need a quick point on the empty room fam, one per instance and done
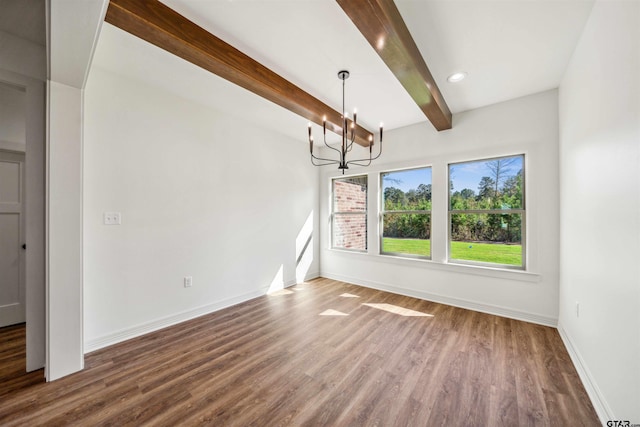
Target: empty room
(320, 212)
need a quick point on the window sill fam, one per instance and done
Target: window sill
(477, 270)
(349, 251)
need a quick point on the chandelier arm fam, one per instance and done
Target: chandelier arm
(333, 148)
(373, 158)
(379, 151)
(355, 162)
(330, 161)
(323, 164)
(325, 160)
(369, 160)
(353, 138)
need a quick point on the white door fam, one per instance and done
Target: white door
(12, 295)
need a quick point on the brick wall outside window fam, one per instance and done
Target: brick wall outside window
(350, 213)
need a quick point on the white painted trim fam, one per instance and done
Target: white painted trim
(456, 302)
(96, 37)
(595, 394)
(477, 270)
(13, 146)
(34, 216)
(174, 319)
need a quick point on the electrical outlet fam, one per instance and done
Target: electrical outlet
(188, 281)
(112, 218)
(577, 309)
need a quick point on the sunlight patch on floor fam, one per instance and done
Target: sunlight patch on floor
(398, 310)
(280, 292)
(346, 295)
(331, 312)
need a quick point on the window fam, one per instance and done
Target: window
(406, 213)
(349, 213)
(487, 212)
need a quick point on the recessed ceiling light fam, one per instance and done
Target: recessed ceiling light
(456, 77)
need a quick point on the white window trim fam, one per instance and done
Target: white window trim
(522, 211)
(381, 212)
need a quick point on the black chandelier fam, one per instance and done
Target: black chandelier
(347, 143)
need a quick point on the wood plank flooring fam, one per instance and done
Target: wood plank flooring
(323, 353)
(13, 376)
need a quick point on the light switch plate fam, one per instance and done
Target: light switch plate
(112, 218)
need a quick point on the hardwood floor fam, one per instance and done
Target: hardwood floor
(13, 376)
(320, 353)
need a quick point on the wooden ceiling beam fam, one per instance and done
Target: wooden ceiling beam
(161, 26)
(381, 24)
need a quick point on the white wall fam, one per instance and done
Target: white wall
(600, 215)
(201, 194)
(526, 125)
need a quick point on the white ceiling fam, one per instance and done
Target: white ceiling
(509, 48)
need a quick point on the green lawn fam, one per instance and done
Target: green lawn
(407, 246)
(482, 252)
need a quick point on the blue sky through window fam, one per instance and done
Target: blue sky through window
(463, 175)
(407, 180)
(469, 174)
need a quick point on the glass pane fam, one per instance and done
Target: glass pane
(406, 233)
(350, 194)
(491, 238)
(407, 190)
(487, 184)
(350, 231)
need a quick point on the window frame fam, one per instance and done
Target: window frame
(521, 211)
(333, 214)
(382, 212)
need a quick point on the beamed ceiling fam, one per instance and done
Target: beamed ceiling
(288, 52)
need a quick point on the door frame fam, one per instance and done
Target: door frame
(34, 217)
(20, 159)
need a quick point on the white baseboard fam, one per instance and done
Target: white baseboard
(597, 398)
(456, 302)
(308, 276)
(154, 325)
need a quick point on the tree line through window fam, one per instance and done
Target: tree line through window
(486, 212)
(406, 212)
